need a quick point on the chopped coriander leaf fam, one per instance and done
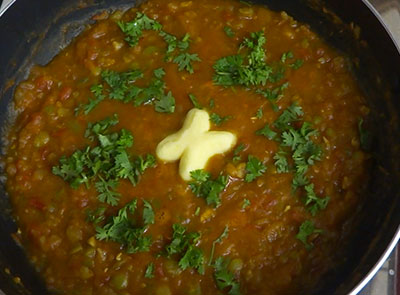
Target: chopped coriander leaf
(273, 95)
(240, 148)
(122, 229)
(97, 91)
(246, 203)
(119, 83)
(193, 258)
(218, 120)
(224, 278)
(288, 116)
(184, 61)
(365, 136)
(281, 162)
(249, 69)
(211, 104)
(104, 164)
(120, 86)
(194, 101)
(236, 153)
(100, 126)
(184, 43)
(159, 73)
(267, 132)
(203, 186)
(172, 43)
(297, 64)
(312, 202)
(229, 32)
(149, 273)
(306, 229)
(197, 212)
(254, 168)
(165, 103)
(259, 113)
(148, 213)
(286, 55)
(106, 190)
(185, 244)
(218, 241)
(299, 180)
(134, 30)
(96, 216)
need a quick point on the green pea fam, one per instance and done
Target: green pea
(119, 280)
(86, 273)
(236, 265)
(163, 290)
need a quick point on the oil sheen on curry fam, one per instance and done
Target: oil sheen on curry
(188, 147)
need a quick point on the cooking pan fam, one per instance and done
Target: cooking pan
(33, 32)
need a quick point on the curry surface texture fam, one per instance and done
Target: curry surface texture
(264, 234)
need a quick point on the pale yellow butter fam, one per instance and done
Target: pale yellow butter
(194, 144)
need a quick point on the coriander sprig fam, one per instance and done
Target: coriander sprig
(104, 164)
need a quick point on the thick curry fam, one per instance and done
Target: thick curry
(100, 212)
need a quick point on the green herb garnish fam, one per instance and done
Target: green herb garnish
(267, 132)
(236, 152)
(224, 278)
(218, 241)
(281, 162)
(259, 113)
(312, 202)
(297, 64)
(306, 229)
(286, 55)
(134, 30)
(218, 120)
(185, 244)
(203, 186)
(194, 101)
(254, 168)
(121, 86)
(105, 164)
(123, 230)
(184, 61)
(229, 32)
(248, 69)
(149, 273)
(246, 203)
